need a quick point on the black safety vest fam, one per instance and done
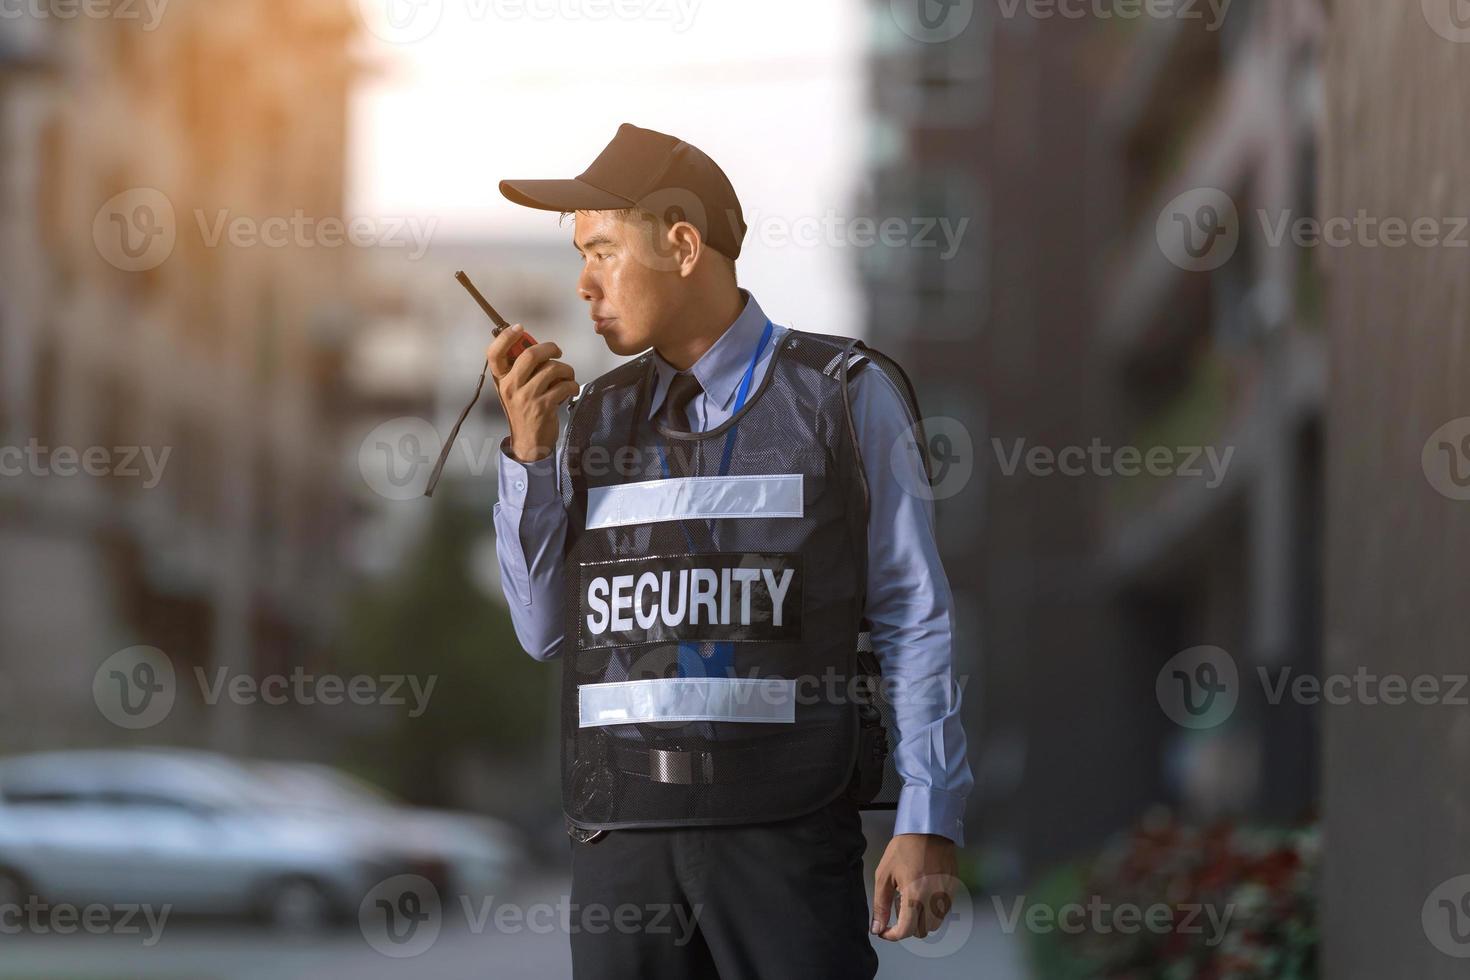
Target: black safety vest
(712, 619)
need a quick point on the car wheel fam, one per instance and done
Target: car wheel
(298, 905)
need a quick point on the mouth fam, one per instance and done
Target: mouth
(601, 323)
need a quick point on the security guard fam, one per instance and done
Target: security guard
(725, 516)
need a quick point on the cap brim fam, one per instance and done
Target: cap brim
(561, 195)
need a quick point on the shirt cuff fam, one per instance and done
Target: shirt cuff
(922, 810)
(525, 485)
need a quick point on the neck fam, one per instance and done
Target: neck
(704, 325)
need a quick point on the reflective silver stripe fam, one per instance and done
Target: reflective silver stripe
(652, 501)
(757, 699)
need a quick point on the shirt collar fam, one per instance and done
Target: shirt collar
(720, 369)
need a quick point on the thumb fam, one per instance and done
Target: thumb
(883, 892)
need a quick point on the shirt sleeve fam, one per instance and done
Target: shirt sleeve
(909, 609)
(530, 531)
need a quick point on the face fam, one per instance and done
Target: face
(630, 279)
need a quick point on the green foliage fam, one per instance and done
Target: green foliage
(433, 620)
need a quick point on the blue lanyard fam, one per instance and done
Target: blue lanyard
(741, 394)
(722, 658)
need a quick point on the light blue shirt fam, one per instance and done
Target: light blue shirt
(908, 597)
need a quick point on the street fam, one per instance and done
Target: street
(468, 945)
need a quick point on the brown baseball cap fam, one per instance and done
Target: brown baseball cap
(653, 171)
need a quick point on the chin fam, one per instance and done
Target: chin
(623, 346)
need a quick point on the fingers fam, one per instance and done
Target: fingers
(883, 892)
(909, 909)
(923, 908)
(562, 391)
(498, 353)
(554, 373)
(529, 362)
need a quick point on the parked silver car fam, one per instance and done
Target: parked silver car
(191, 830)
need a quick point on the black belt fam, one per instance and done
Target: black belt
(743, 761)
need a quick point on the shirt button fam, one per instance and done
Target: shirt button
(521, 485)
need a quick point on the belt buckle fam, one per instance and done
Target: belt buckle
(670, 766)
(582, 835)
(677, 766)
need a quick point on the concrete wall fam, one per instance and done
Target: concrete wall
(1397, 779)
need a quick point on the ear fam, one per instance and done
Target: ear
(686, 247)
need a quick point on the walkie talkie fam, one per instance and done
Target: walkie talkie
(520, 346)
(525, 343)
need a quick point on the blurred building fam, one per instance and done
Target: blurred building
(1396, 826)
(1065, 324)
(418, 356)
(125, 325)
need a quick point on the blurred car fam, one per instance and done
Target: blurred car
(479, 854)
(191, 830)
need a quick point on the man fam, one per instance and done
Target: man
(726, 512)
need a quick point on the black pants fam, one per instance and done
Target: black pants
(759, 902)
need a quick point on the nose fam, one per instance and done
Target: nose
(587, 285)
